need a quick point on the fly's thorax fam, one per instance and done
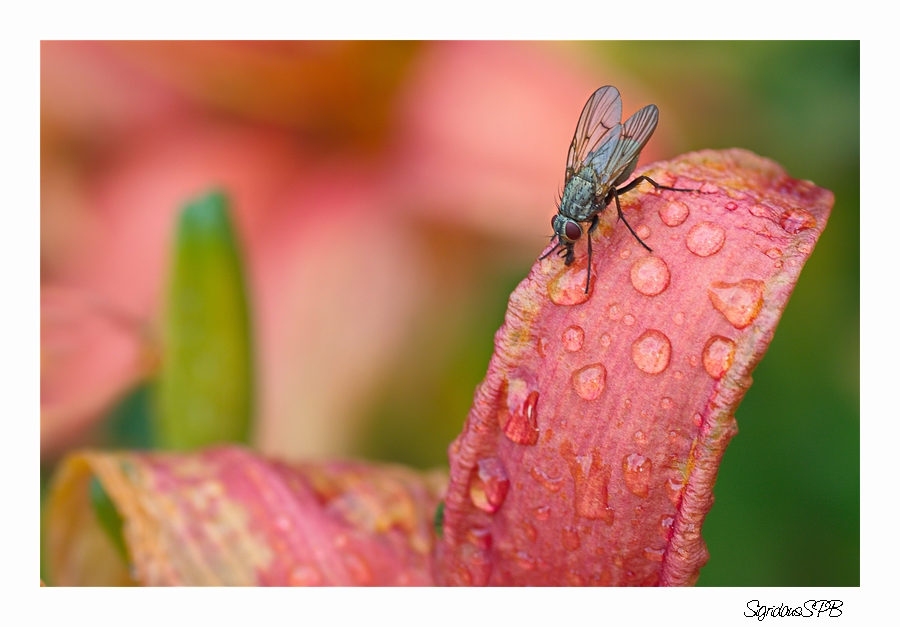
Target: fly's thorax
(578, 195)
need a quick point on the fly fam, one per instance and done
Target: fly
(603, 154)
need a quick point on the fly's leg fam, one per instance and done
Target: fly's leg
(550, 252)
(635, 182)
(622, 216)
(590, 232)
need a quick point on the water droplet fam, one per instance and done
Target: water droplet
(591, 484)
(605, 340)
(489, 485)
(518, 414)
(693, 361)
(651, 351)
(674, 490)
(678, 318)
(666, 526)
(305, 575)
(697, 420)
(666, 402)
(674, 213)
(636, 469)
(573, 338)
(525, 561)
(804, 247)
(530, 531)
(625, 253)
(628, 320)
(639, 437)
(650, 275)
(627, 403)
(739, 302)
(567, 287)
(773, 253)
(614, 312)
(542, 512)
(718, 354)
(589, 381)
(709, 188)
(643, 231)
(705, 239)
(359, 569)
(730, 205)
(762, 211)
(542, 347)
(570, 539)
(480, 537)
(553, 484)
(477, 569)
(654, 555)
(795, 220)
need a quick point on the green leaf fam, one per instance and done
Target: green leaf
(206, 382)
(108, 516)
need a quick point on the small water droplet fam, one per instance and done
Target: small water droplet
(589, 381)
(674, 213)
(678, 374)
(570, 539)
(651, 351)
(705, 239)
(639, 437)
(666, 526)
(480, 537)
(763, 211)
(654, 555)
(678, 318)
(674, 490)
(718, 354)
(773, 253)
(489, 485)
(643, 231)
(709, 188)
(477, 569)
(542, 347)
(525, 561)
(573, 338)
(553, 484)
(305, 575)
(517, 414)
(628, 320)
(731, 205)
(636, 469)
(627, 403)
(739, 302)
(804, 247)
(697, 420)
(650, 275)
(614, 312)
(625, 253)
(795, 220)
(605, 340)
(693, 360)
(530, 531)
(567, 287)
(591, 483)
(666, 402)
(542, 512)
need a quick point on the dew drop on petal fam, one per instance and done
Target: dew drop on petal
(530, 531)
(666, 526)
(731, 205)
(739, 302)
(605, 340)
(636, 469)
(650, 275)
(709, 188)
(625, 253)
(552, 484)
(795, 220)
(573, 338)
(718, 354)
(651, 351)
(628, 320)
(643, 231)
(567, 287)
(489, 485)
(589, 381)
(570, 539)
(666, 402)
(674, 490)
(678, 318)
(542, 512)
(697, 420)
(773, 253)
(480, 537)
(614, 311)
(705, 239)
(517, 415)
(674, 213)
(591, 483)
(654, 555)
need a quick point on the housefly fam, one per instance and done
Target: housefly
(603, 154)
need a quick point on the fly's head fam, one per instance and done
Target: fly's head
(568, 231)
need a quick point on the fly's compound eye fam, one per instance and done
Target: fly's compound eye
(573, 231)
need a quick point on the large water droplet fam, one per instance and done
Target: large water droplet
(567, 287)
(589, 381)
(573, 338)
(739, 302)
(636, 469)
(591, 484)
(570, 539)
(705, 239)
(553, 484)
(651, 351)
(518, 412)
(650, 275)
(718, 354)
(796, 220)
(674, 213)
(489, 485)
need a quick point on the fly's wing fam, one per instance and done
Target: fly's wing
(623, 156)
(602, 112)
